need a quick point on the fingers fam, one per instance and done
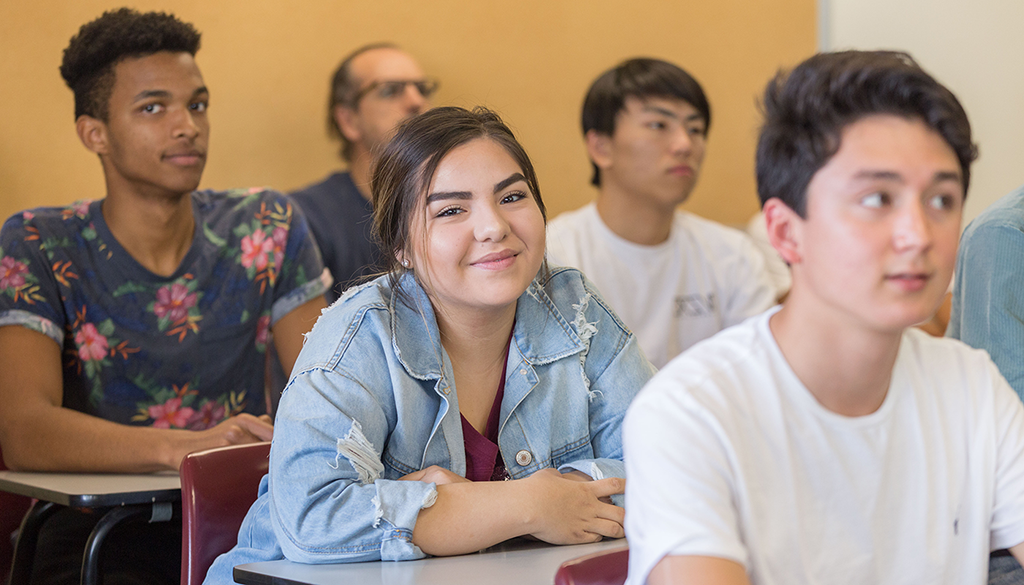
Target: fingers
(250, 429)
(414, 476)
(601, 527)
(608, 487)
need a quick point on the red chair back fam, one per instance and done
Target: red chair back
(12, 510)
(601, 568)
(217, 488)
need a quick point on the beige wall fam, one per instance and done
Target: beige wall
(267, 65)
(975, 48)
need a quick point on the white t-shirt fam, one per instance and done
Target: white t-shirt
(729, 455)
(704, 278)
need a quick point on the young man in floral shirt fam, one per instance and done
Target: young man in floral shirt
(133, 329)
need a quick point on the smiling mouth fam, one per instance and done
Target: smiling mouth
(496, 261)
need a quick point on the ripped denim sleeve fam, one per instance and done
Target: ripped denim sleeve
(339, 508)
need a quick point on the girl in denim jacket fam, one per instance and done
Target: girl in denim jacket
(469, 359)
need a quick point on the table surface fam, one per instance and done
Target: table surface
(516, 562)
(93, 490)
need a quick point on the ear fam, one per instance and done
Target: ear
(599, 148)
(348, 123)
(785, 231)
(93, 134)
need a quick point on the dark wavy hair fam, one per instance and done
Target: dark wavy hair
(806, 110)
(640, 78)
(403, 170)
(89, 59)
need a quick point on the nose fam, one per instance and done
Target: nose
(415, 102)
(682, 141)
(490, 224)
(913, 229)
(185, 125)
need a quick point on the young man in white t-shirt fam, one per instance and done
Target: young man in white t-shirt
(674, 278)
(829, 441)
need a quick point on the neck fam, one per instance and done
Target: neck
(359, 169)
(631, 219)
(476, 338)
(845, 366)
(156, 232)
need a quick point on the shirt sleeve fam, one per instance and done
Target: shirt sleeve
(680, 488)
(30, 293)
(303, 276)
(988, 298)
(329, 502)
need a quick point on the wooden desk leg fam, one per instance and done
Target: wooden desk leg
(28, 537)
(91, 557)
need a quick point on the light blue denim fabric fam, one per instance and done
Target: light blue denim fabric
(371, 399)
(988, 290)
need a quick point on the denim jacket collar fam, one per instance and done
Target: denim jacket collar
(414, 322)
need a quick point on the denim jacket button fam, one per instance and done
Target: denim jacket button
(524, 458)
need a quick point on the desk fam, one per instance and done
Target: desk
(126, 496)
(517, 562)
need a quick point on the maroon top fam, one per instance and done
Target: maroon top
(483, 459)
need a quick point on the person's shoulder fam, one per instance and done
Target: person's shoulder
(570, 225)
(721, 376)
(332, 186)
(710, 233)
(1004, 218)
(363, 313)
(573, 294)
(36, 222)
(942, 357)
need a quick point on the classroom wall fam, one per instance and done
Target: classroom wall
(974, 48)
(267, 64)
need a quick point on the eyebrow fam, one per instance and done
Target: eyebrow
(163, 93)
(463, 195)
(694, 117)
(939, 177)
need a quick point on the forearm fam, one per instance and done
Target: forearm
(467, 517)
(53, 438)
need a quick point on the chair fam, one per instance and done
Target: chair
(12, 510)
(601, 568)
(217, 488)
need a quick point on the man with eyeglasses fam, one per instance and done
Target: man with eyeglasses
(374, 89)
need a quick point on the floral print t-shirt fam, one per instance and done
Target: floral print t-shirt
(184, 351)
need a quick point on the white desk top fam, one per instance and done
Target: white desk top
(93, 490)
(517, 562)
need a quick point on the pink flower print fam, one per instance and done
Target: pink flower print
(91, 344)
(170, 414)
(27, 215)
(207, 417)
(12, 273)
(174, 300)
(280, 236)
(254, 249)
(263, 330)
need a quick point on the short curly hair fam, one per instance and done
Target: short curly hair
(89, 59)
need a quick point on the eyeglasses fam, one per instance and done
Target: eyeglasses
(392, 89)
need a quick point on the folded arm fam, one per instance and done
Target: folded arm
(38, 434)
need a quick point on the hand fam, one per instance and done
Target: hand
(235, 430)
(568, 511)
(434, 474)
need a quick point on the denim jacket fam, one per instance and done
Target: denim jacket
(372, 399)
